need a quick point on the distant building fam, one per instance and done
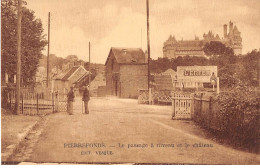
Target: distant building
(72, 78)
(98, 85)
(173, 48)
(164, 80)
(126, 72)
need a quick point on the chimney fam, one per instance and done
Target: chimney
(225, 31)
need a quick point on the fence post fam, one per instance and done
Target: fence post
(201, 95)
(173, 107)
(150, 95)
(52, 95)
(22, 104)
(192, 105)
(37, 96)
(210, 111)
(10, 99)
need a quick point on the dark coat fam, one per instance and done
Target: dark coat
(71, 95)
(85, 95)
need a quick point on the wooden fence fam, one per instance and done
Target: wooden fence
(37, 103)
(206, 112)
(164, 97)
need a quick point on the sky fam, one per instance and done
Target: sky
(122, 23)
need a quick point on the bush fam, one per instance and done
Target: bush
(239, 115)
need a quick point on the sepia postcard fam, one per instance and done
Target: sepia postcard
(136, 82)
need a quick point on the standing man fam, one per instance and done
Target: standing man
(70, 97)
(86, 99)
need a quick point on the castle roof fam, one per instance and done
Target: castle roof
(189, 43)
(236, 30)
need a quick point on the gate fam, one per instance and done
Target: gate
(182, 105)
(60, 100)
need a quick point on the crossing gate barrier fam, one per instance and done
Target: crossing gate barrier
(183, 105)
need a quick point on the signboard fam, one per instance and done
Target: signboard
(196, 73)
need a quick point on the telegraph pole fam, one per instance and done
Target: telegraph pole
(18, 65)
(89, 79)
(148, 42)
(48, 52)
(141, 38)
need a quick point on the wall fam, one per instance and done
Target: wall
(109, 74)
(132, 78)
(61, 86)
(101, 91)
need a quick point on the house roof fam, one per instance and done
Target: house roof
(128, 55)
(71, 72)
(82, 77)
(169, 71)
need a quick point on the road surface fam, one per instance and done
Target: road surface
(121, 131)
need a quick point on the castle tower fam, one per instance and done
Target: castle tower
(231, 28)
(237, 41)
(225, 31)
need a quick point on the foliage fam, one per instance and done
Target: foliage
(251, 63)
(92, 70)
(72, 58)
(228, 76)
(162, 64)
(216, 48)
(32, 41)
(239, 115)
(219, 54)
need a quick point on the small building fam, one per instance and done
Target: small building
(72, 78)
(126, 72)
(164, 80)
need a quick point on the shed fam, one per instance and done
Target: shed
(126, 72)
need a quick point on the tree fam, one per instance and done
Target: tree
(251, 66)
(32, 42)
(216, 48)
(72, 58)
(219, 54)
(162, 64)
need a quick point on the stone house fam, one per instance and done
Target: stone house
(126, 72)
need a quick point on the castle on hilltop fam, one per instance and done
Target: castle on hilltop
(173, 48)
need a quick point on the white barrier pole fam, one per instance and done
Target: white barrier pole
(150, 95)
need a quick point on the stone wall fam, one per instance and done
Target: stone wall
(110, 71)
(132, 78)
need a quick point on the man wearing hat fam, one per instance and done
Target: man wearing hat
(86, 99)
(70, 97)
